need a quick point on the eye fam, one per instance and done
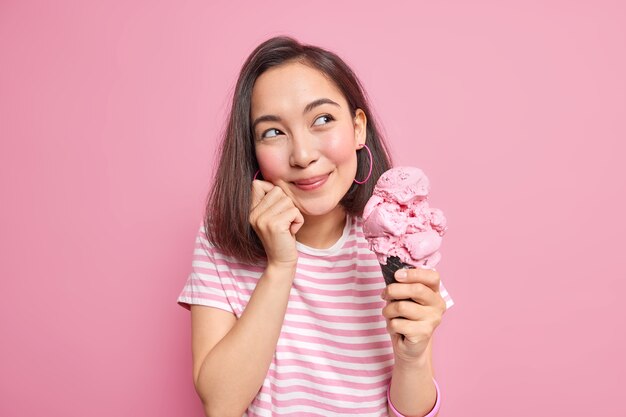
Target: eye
(270, 130)
(327, 116)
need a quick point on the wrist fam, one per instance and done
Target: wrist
(419, 363)
(280, 271)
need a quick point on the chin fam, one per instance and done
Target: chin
(318, 209)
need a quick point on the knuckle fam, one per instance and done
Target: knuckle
(261, 223)
(392, 290)
(273, 227)
(389, 328)
(394, 326)
(441, 303)
(277, 191)
(436, 320)
(431, 329)
(417, 289)
(386, 312)
(436, 278)
(403, 308)
(438, 284)
(255, 219)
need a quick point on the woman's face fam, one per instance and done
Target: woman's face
(305, 137)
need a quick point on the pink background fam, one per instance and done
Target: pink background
(109, 116)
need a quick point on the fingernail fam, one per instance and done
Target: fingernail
(401, 274)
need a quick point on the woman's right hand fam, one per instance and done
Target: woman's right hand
(276, 220)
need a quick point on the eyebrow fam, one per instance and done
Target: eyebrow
(307, 108)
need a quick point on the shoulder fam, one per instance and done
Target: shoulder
(360, 244)
(206, 250)
(357, 224)
(357, 232)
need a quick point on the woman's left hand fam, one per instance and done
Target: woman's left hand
(414, 310)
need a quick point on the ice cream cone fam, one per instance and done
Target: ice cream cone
(399, 224)
(389, 269)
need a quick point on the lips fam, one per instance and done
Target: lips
(311, 183)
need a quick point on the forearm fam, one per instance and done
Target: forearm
(233, 372)
(412, 391)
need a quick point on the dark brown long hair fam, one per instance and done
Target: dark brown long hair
(228, 203)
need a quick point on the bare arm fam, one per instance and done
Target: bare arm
(409, 382)
(414, 311)
(240, 352)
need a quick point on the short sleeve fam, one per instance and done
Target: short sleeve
(445, 295)
(204, 285)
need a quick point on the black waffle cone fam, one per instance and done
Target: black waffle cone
(393, 264)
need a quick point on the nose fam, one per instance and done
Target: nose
(304, 150)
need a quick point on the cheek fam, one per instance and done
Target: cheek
(340, 147)
(271, 162)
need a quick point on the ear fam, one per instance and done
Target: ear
(360, 128)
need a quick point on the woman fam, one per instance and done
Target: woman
(285, 296)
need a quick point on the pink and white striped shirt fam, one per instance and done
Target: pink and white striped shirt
(334, 355)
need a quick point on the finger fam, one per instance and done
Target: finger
(417, 292)
(269, 199)
(281, 222)
(415, 330)
(404, 309)
(297, 222)
(274, 203)
(259, 189)
(428, 277)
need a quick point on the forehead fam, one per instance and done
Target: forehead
(289, 87)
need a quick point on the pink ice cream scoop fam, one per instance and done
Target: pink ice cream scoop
(400, 227)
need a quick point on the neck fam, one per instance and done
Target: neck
(321, 232)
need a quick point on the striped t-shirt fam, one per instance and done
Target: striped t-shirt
(334, 355)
